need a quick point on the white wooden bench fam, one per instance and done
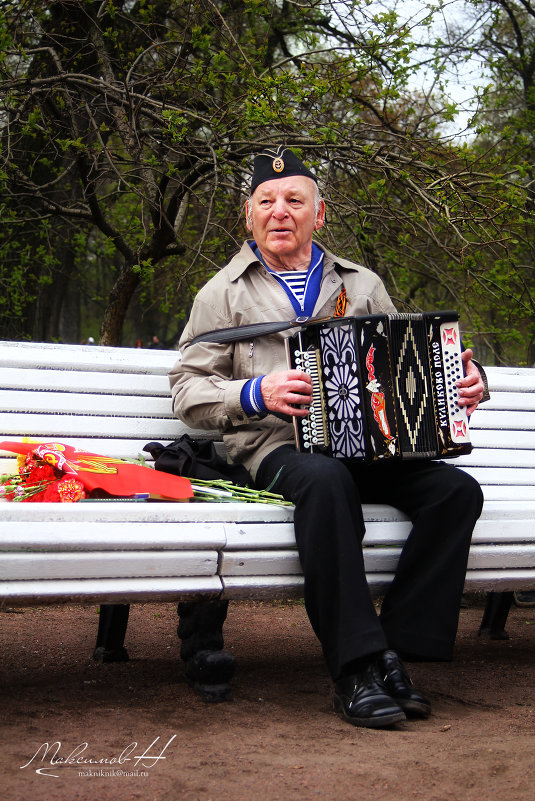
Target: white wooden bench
(113, 401)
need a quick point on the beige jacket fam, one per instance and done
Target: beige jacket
(207, 380)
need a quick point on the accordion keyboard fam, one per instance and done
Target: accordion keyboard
(314, 428)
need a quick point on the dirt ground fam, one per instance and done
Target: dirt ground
(277, 739)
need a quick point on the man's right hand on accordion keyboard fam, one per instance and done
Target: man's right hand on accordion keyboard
(470, 387)
(287, 391)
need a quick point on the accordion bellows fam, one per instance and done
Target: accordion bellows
(384, 386)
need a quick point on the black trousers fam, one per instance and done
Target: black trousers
(420, 611)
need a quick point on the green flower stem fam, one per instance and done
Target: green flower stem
(222, 490)
(14, 482)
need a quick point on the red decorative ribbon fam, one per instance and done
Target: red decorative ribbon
(114, 476)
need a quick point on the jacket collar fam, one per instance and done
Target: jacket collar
(245, 259)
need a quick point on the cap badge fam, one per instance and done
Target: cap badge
(278, 165)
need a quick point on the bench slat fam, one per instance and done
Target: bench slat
(86, 357)
(268, 587)
(502, 475)
(500, 580)
(494, 457)
(511, 379)
(169, 512)
(284, 562)
(487, 439)
(245, 587)
(91, 591)
(71, 403)
(79, 381)
(502, 557)
(515, 529)
(504, 420)
(508, 493)
(508, 401)
(107, 564)
(111, 536)
(58, 426)
(520, 509)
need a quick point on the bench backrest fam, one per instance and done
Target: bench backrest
(108, 400)
(114, 400)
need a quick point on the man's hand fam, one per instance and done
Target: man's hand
(285, 392)
(470, 387)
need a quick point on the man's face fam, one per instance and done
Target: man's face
(282, 218)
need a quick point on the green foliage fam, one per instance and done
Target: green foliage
(503, 281)
(130, 136)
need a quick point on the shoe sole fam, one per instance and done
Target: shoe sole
(369, 723)
(520, 603)
(413, 709)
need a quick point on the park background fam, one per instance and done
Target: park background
(127, 130)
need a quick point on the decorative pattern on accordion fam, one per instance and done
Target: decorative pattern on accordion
(412, 385)
(341, 384)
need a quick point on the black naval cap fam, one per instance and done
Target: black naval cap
(279, 162)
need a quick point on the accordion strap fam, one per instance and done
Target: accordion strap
(241, 332)
(482, 373)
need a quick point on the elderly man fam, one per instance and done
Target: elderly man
(246, 390)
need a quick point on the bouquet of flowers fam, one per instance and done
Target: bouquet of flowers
(38, 481)
(52, 471)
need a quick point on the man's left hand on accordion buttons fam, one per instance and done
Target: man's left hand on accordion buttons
(470, 387)
(287, 392)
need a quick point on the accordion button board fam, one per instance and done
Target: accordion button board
(384, 386)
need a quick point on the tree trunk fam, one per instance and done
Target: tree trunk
(114, 315)
(50, 309)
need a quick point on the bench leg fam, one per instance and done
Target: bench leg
(209, 669)
(112, 624)
(495, 615)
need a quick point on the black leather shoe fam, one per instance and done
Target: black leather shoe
(209, 673)
(362, 700)
(400, 688)
(211, 667)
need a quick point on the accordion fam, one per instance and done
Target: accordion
(384, 386)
